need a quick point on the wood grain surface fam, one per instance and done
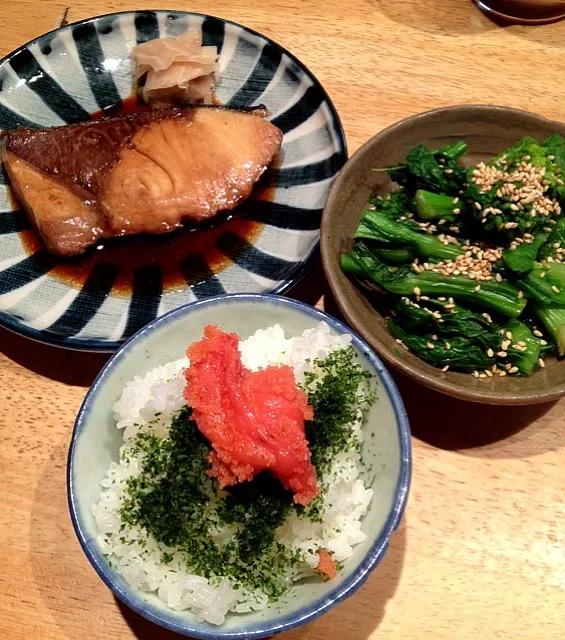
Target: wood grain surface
(480, 553)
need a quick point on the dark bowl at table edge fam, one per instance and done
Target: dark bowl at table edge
(346, 200)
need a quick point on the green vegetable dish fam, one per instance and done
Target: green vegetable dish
(468, 263)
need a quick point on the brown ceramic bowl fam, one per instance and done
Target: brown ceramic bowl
(486, 130)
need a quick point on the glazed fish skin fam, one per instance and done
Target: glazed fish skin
(187, 168)
(63, 216)
(140, 173)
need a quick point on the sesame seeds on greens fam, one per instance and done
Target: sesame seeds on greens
(503, 235)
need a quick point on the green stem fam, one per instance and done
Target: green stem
(522, 259)
(434, 206)
(396, 233)
(501, 297)
(349, 265)
(553, 319)
(526, 361)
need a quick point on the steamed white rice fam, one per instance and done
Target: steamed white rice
(155, 398)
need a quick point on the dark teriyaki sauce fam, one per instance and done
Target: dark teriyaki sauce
(187, 255)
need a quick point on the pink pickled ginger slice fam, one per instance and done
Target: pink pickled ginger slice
(177, 70)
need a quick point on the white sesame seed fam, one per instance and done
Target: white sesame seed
(502, 354)
(416, 291)
(520, 294)
(490, 353)
(513, 370)
(555, 289)
(478, 206)
(508, 335)
(478, 288)
(445, 368)
(430, 345)
(541, 363)
(537, 333)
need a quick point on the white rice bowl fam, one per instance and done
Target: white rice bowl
(155, 398)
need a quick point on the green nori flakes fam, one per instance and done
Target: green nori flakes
(175, 501)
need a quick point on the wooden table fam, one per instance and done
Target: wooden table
(480, 553)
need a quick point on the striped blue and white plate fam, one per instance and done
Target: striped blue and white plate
(98, 301)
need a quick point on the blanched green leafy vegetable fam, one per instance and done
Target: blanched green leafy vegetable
(524, 349)
(456, 244)
(432, 170)
(522, 258)
(503, 192)
(553, 319)
(459, 339)
(395, 205)
(394, 234)
(545, 284)
(497, 296)
(435, 206)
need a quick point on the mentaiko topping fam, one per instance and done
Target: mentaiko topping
(253, 420)
(166, 525)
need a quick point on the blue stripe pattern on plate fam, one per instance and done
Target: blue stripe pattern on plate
(92, 60)
(85, 306)
(26, 271)
(200, 278)
(13, 221)
(254, 70)
(48, 89)
(147, 291)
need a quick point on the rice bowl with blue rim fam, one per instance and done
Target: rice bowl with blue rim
(390, 462)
